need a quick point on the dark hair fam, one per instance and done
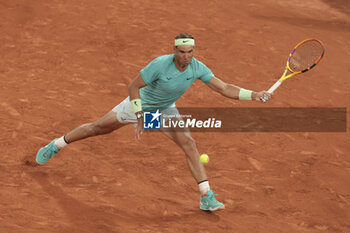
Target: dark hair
(184, 36)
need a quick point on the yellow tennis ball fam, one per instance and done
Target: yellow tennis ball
(204, 158)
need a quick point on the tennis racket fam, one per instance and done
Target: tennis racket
(305, 56)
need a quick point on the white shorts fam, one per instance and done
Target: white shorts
(125, 113)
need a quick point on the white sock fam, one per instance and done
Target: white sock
(60, 143)
(204, 187)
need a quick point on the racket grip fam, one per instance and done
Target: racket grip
(274, 87)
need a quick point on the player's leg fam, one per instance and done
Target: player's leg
(106, 124)
(185, 141)
(119, 116)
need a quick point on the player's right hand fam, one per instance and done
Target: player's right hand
(263, 96)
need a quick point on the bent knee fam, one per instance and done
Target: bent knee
(188, 142)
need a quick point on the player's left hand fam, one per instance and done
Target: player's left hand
(263, 96)
(139, 128)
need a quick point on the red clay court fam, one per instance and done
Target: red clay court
(64, 63)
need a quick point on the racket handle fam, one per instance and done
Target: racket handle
(274, 87)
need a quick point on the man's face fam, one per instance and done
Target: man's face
(184, 54)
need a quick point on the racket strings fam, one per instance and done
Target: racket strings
(306, 55)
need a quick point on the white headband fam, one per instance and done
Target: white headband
(184, 41)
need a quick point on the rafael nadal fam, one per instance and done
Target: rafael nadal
(157, 87)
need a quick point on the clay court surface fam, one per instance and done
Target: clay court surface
(64, 63)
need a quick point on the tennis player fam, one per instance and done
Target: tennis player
(157, 87)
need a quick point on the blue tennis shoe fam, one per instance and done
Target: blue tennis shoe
(46, 152)
(209, 203)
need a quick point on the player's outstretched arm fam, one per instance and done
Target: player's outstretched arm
(235, 92)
